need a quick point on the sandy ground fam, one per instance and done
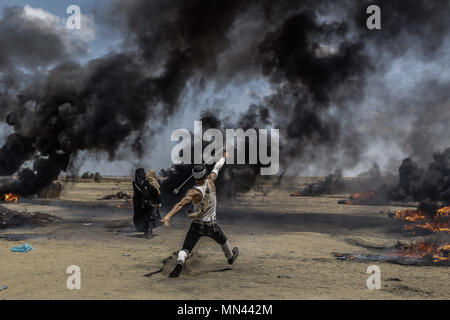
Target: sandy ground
(285, 244)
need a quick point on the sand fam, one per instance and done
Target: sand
(285, 243)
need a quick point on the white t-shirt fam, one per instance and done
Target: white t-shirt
(206, 208)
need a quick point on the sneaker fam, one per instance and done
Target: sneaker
(176, 271)
(235, 255)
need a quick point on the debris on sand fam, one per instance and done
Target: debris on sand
(127, 204)
(362, 198)
(3, 288)
(333, 183)
(394, 279)
(53, 191)
(14, 219)
(117, 196)
(23, 248)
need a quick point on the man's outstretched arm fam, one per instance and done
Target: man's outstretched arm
(188, 197)
(219, 164)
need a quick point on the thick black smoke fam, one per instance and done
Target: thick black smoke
(233, 179)
(417, 31)
(418, 184)
(316, 55)
(430, 186)
(308, 77)
(75, 108)
(98, 106)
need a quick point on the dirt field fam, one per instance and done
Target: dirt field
(285, 244)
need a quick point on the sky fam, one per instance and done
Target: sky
(106, 37)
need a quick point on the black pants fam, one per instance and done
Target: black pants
(198, 230)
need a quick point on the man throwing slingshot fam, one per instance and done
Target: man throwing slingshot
(203, 197)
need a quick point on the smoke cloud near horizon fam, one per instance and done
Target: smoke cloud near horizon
(340, 94)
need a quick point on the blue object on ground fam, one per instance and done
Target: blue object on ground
(3, 288)
(23, 248)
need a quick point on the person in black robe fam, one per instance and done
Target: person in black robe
(146, 201)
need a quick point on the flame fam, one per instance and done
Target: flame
(426, 252)
(443, 253)
(439, 223)
(444, 212)
(128, 204)
(422, 250)
(362, 195)
(10, 197)
(410, 215)
(358, 198)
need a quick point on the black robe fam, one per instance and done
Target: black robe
(145, 201)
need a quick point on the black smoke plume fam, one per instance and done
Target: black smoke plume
(232, 180)
(430, 185)
(317, 56)
(418, 184)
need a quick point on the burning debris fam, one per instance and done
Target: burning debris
(438, 221)
(14, 219)
(432, 251)
(426, 250)
(10, 197)
(369, 198)
(414, 184)
(424, 253)
(364, 198)
(127, 204)
(117, 196)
